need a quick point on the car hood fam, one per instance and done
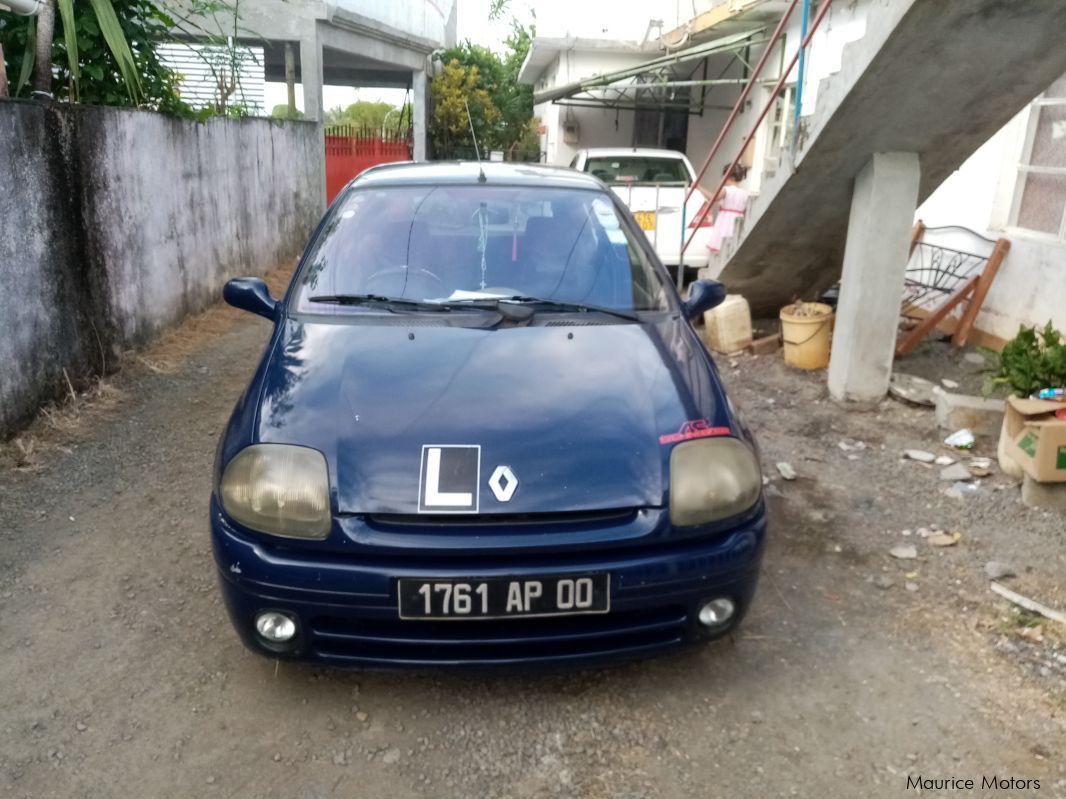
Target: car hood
(578, 412)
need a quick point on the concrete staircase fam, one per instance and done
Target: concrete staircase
(931, 77)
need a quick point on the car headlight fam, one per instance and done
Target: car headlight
(712, 479)
(278, 489)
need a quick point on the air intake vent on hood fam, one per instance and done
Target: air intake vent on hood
(572, 323)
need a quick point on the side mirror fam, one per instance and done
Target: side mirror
(702, 296)
(250, 294)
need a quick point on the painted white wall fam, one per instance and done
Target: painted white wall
(1030, 288)
(574, 65)
(599, 127)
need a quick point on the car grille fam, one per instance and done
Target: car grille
(619, 516)
(560, 639)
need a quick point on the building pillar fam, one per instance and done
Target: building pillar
(311, 76)
(290, 79)
(419, 103)
(871, 288)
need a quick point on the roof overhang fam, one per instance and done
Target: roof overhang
(650, 76)
(545, 49)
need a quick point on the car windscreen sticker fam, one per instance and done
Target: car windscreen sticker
(448, 480)
(694, 428)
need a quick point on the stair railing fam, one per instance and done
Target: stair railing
(777, 34)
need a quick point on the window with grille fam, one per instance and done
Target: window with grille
(1040, 191)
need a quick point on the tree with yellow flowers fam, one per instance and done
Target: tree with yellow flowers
(454, 90)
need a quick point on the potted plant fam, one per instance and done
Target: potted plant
(1032, 361)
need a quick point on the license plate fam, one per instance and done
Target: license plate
(504, 597)
(646, 219)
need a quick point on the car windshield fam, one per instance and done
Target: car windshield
(465, 243)
(628, 169)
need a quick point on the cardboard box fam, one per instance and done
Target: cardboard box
(1038, 438)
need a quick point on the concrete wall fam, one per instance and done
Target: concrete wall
(115, 224)
(420, 18)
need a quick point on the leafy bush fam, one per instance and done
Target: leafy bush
(501, 109)
(85, 67)
(1032, 360)
(282, 112)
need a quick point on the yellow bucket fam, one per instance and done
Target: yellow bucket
(805, 330)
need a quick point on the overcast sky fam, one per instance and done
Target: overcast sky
(612, 19)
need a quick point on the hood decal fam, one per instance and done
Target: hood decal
(694, 428)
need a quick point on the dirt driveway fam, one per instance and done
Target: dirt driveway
(121, 676)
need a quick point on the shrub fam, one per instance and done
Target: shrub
(1032, 360)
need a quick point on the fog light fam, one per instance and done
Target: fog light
(274, 627)
(717, 612)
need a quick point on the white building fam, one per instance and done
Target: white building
(705, 59)
(1015, 187)
(674, 81)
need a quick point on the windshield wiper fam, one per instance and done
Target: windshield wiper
(487, 303)
(563, 305)
(390, 303)
(361, 299)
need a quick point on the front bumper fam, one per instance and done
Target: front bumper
(346, 605)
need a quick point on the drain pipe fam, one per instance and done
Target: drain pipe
(799, 80)
(26, 8)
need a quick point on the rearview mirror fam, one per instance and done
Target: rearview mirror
(702, 296)
(250, 294)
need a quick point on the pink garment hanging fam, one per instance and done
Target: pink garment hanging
(734, 203)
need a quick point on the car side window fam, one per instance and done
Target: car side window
(573, 164)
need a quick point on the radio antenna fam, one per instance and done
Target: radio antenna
(477, 151)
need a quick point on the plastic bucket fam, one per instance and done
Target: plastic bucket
(806, 337)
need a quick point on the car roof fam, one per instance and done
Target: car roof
(469, 172)
(614, 152)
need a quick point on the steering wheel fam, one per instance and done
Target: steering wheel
(406, 276)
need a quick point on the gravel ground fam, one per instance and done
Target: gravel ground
(122, 676)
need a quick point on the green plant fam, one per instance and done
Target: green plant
(1032, 360)
(282, 112)
(363, 114)
(103, 52)
(216, 25)
(501, 109)
(459, 102)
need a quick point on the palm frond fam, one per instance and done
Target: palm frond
(113, 34)
(26, 70)
(70, 35)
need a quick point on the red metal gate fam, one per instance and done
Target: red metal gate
(349, 151)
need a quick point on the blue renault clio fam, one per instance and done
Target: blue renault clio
(483, 434)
